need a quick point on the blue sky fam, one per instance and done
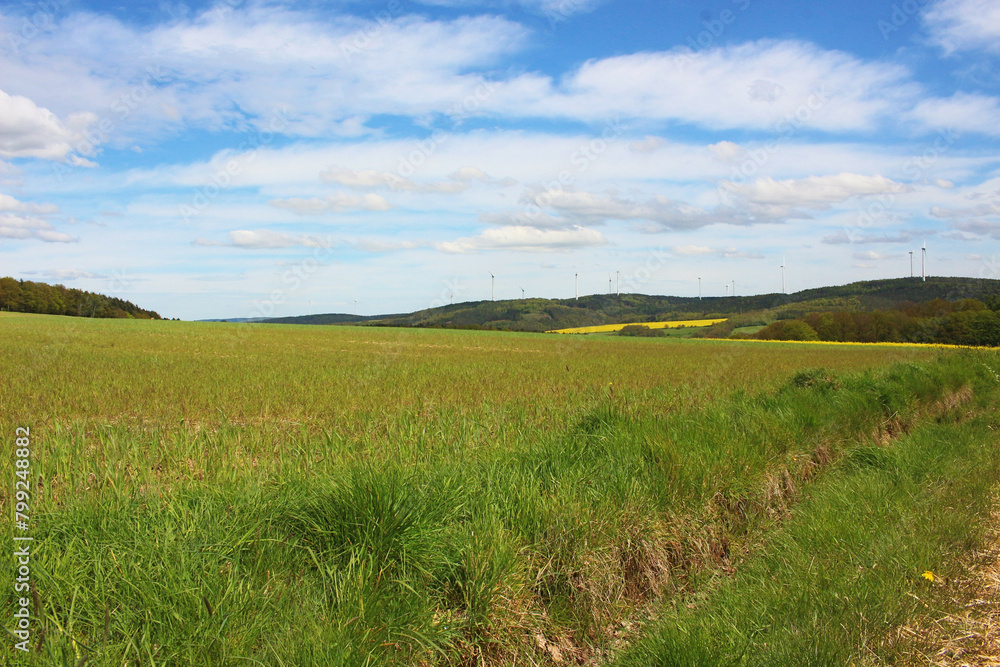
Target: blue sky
(246, 159)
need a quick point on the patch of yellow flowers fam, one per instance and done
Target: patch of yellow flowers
(607, 328)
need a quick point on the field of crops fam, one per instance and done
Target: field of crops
(609, 328)
(212, 493)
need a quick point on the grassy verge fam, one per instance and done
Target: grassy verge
(847, 570)
(540, 550)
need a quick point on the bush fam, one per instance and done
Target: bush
(640, 330)
(788, 330)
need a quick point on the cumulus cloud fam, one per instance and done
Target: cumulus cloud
(28, 130)
(525, 238)
(589, 208)
(764, 200)
(25, 220)
(814, 191)
(961, 25)
(9, 204)
(727, 151)
(13, 226)
(338, 203)
(986, 209)
(979, 217)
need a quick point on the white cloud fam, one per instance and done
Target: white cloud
(370, 178)
(338, 203)
(704, 251)
(9, 204)
(843, 237)
(692, 250)
(870, 255)
(986, 209)
(467, 174)
(647, 145)
(812, 192)
(378, 246)
(727, 151)
(27, 130)
(71, 274)
(233, 68)
(826, 90)
(959, 25)
(263, 239)
(593, 208)
(555, 10)
(25, 221)
(525, 238)
(20, 227)
(963, 111)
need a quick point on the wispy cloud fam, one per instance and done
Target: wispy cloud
(842, 238)
(263, 239)
(705, 251)
(332, 203)
(525, 238)
(959, 25)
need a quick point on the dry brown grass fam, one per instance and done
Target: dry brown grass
(970, 635)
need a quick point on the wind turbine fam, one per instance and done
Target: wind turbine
(699, 288)
(609, 283)
(734, 288)
(355, 306)
(923, 262)
(618, 283)
(911, 263)
(576, 278)
(522, 293)
(492, 283)
(783, 276)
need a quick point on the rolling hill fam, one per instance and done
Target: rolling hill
(597, 309)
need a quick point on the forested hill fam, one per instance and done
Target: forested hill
(25, 296)
(595, 309)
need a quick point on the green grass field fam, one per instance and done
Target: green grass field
(215, 494)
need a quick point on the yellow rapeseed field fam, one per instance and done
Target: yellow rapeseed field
(607, 328)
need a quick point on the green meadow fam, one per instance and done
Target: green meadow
(223, 494)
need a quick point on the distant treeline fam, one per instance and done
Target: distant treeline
(25, 296)
(962, 322)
